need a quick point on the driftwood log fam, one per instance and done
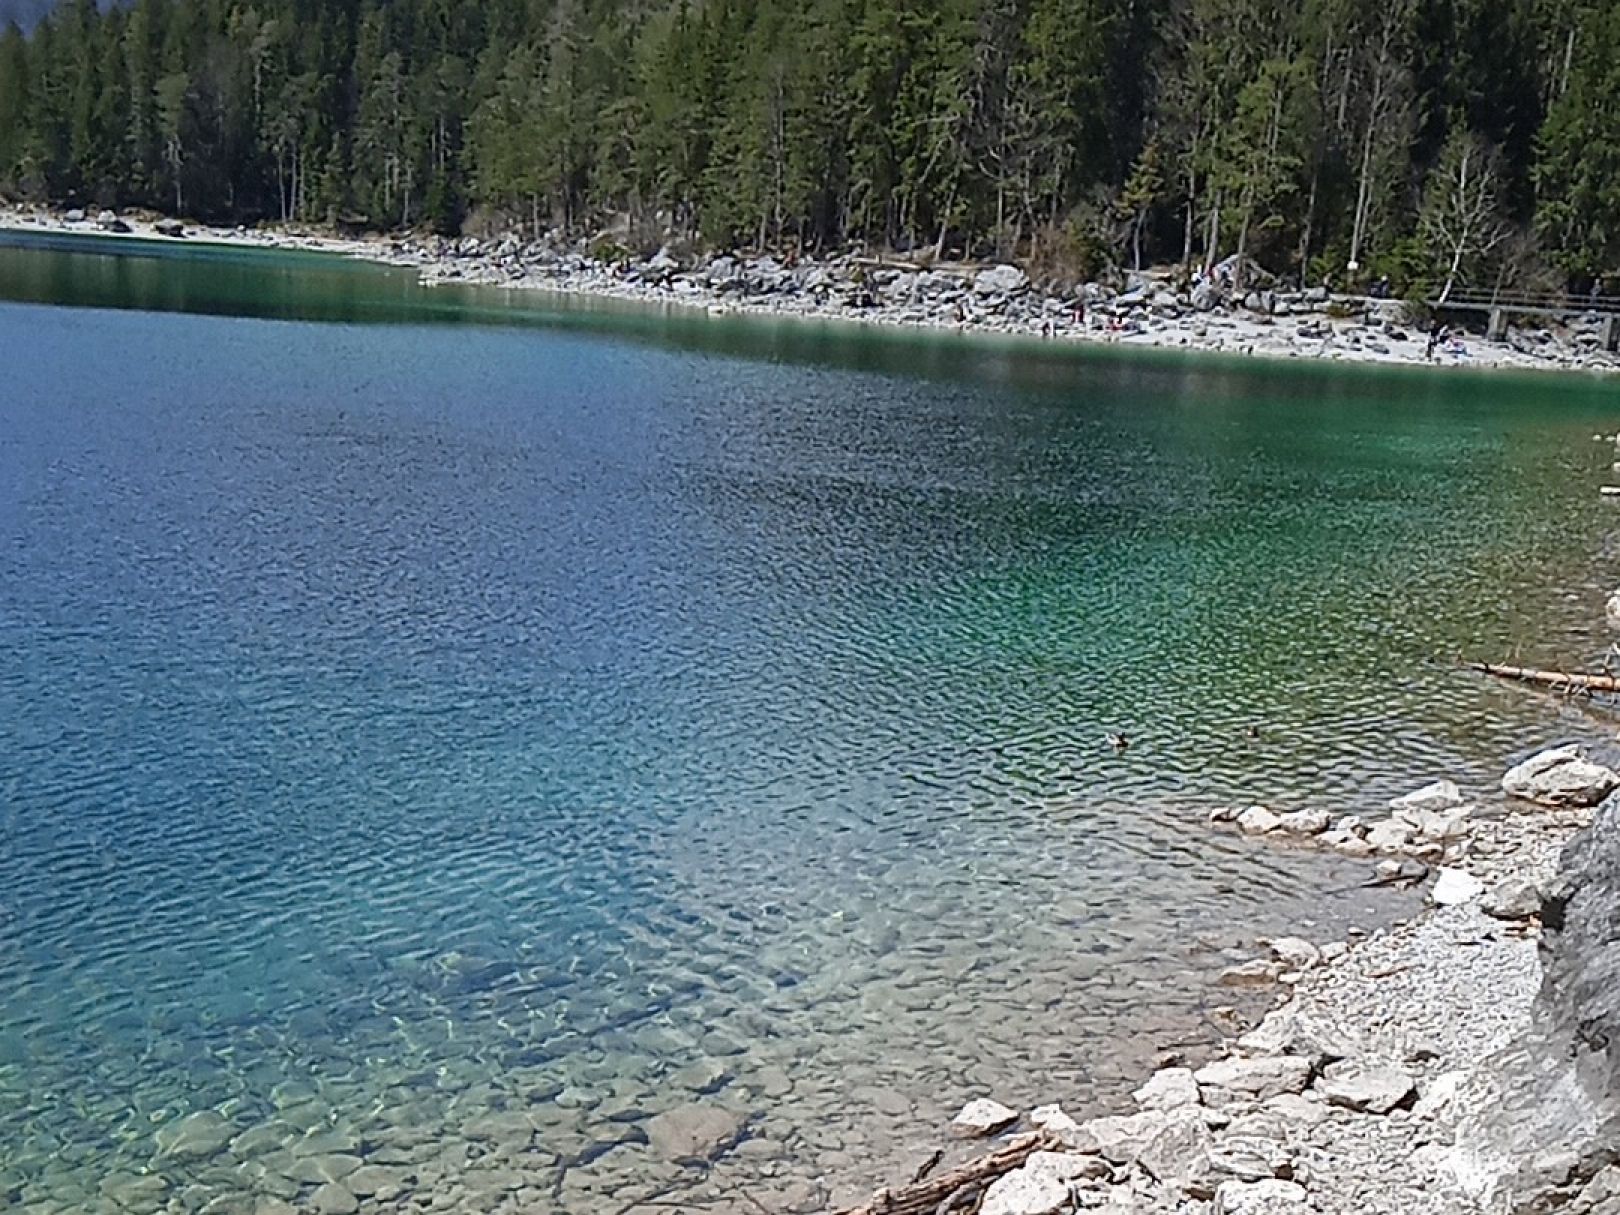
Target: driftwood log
(1565, 681)
(927, 1196)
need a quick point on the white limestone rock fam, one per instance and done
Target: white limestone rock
(1454, 887)
(1390, 835)
(1179, 1152)
(1305, 822)
(1260, 1078)
(1052, 1118)
(1514, 898)
(1367, 1088)
(1436, 798)
(1560, 776)
(1121, 1138)
(1169, 1088)
(1296, 953)
(1043, 1185)
(1000, 280)
(1271, 1197)
(1257, 820)
(982, 1117)
(1438, 1098)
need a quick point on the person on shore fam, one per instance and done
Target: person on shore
(1437, 336)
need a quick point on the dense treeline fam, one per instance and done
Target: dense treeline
(1429, 140)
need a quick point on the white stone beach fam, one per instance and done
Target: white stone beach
(1266, 321)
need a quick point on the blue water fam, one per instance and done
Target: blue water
(406, 725)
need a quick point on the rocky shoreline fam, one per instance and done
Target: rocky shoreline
(1374, 1085)
(1146, 311)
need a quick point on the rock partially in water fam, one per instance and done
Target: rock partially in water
(982, 1117)
(1257, 820)
(1305, 822)
(1296, 953)
(1436, 798)
(1169, 1088)
(1560, 776)
(1258, 972)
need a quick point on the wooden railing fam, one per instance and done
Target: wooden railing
(1548, 303)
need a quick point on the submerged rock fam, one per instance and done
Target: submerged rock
(1560, 776)
(195, 1136)
(695, 1133)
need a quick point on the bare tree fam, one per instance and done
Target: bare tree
(1462, 210)
(1387, 87)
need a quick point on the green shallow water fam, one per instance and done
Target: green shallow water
(441, 730)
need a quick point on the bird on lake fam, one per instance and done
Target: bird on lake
(1117, 741)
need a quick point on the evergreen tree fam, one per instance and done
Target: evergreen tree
(1306, 137)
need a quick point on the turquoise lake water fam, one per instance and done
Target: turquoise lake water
(441, 730)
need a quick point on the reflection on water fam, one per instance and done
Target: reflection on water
(430, 753)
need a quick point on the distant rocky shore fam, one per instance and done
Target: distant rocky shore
(1145, 310)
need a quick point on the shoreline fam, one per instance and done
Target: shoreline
(996, 301)
(1362, 1090)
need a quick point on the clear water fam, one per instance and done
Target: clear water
(442, 731)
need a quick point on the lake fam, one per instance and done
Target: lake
(442, 731)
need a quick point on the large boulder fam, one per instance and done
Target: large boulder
(1549, 1104)
(1580, 951)
(1560, 776)
(1000, 280)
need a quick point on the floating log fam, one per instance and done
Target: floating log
(928, 1196)
(1567, 681)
